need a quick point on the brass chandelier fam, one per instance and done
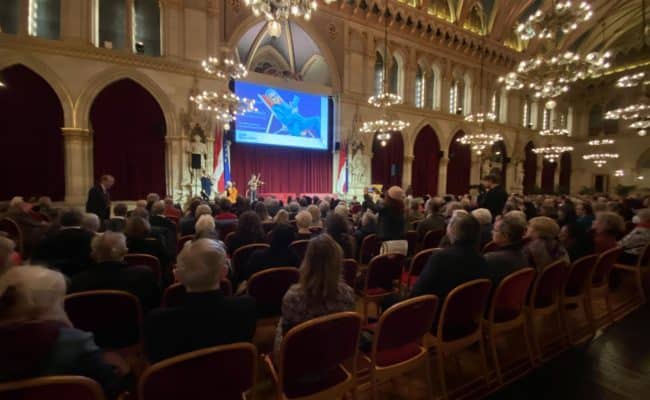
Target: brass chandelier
(277, 12)
(564, 16)
(600, 158)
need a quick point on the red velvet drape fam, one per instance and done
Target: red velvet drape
(548, 175)
(426, 162)
(31, 119)
(129, 140)
(459, 167)
(565, 173)
(530, 168)
(387, 161)
(283, 169)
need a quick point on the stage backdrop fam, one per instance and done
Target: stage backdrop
(283, 169)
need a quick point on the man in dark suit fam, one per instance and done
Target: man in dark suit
(507, 233)
(206, 318)
(99, 200)
(455, 265)
(496, 196)
(67, 248)
(158, 220)
(118, 222)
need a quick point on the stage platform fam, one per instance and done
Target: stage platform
(284, 196)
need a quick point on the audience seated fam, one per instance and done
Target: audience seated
(39, 340)
(320, 291)
(496, 196)
(508, 233)
(413, 212)
(433, 221)
(67, 248)
(139, 239)
(543, 247)
(186, 223)
(608, 228)
(110, 272)
(585, 215)
(158, 218)
(207, 317)
(262, 211)
(282, 217)
(368, 227)
(7, 248)
(90, 222)
(118, 221)
(205, 228)
(316, 221)
(45, 208)
(226, 210)
(170, 210)
(634, 242)
(576, 241)
(152, 198)
(324, 209)
(392, 223)
(484, 217)
(453, 266)
(303, 223)
(31, 228)
(249, 230)
(338, 228)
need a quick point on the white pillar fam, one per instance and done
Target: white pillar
(23, 18)
(556, 175)
(538, 172)
(475, 171)
(129, 43)
(442, 175)
(78, 167)
(407, 171)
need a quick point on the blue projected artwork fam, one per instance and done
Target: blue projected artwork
(283, 118)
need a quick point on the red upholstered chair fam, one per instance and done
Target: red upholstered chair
(396, 348)
(490, 246)
(241, 256)
(383, 273)
(637, 271)
(226, 239)
(506, 312)
(174, 294)
(600, 282)
(13, 231)
(370, 247)
(459, 325)
(52, 387)
(350, 270)
(417, 264)
(268, 288)
(316, 230)
(146, 260)
(223, 372)
(412, 240)
(576, 289)
(181, 242)
(114, 317)
(268, 226)
(545, 299)
(298, 248)
(312, 354)
(226, 229)
(432, 239)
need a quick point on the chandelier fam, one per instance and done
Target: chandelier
(224, 67)
(478, 142)
(600, 158)
(637, 114)
(278, 11)
(552, 153)
(564, 17)
(633, 80)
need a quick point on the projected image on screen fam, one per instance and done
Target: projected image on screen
(284, 118)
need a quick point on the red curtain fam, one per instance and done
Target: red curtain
(459, 167)
(548, 174)
(283, 169)
(565, 173)
(530, 168)
(426, 162)
(387, 161)
(31, 119)
(129, 140)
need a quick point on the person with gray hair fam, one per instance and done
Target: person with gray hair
(324, 208)
(484, 217)
(303, 223)
(507, 233)
(164, 224)
(151, 199)
(453, 266)
(634, 242)
(90, 222)
(207, 317)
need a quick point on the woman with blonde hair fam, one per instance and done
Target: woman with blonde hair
(282, 217)
(544, 246)
(320, 291)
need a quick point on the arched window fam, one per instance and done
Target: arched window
(466, 92)
(44, 18)
(546, 119)
(453, 97)
(495, 105)
(147, 27)
(420, 84)
(395, 76)
(9, 16)
(111, 17)
(526, 113)
(435, 88)
(379, 73)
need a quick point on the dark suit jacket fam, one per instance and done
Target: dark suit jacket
(98, 202)
(186, 225)
(431, 223)
(67, 249)
(168, 229)
(138, 280)
(115, 224)
(152, 246)
(503, 262)
(449, 268)
(494, 200)
(204, 320)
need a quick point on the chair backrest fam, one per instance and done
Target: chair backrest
(114, 317)
(316, 229)
(146, 260)
(604, 265)
(412, 240)
(181, 242)
(579, 274)
(52, 387)
(350, 269)
(298, 248)
(463, 309)
(370, 247)
(268, 226)
(510, 296)
(316, 347)
(221, 372)
(226, 229)
(384, 270)
(269, 286)
(419, 261)
(490, 246)
(227, 238)
(174, 294)
(401, 327)
(241, 255)
(13, 231)
(644, 257)
(548, 285)
(432, 239)
(415, 223)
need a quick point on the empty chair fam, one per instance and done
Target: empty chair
(174, 294)
(311, 358)
(417, 264)
(637, 271)
(600, 282)
(460, 325)
(146, 260)
(221, 372)
(412, 240)
(380, 278)
(490, 246)
(13, 231)
(575, 291)
(268, 288)
(545, 300)
(114, 317)
(241, 256)
(298, 248)
(370, 247)
(350, 269)
(181, 242)
(506, 312)
(396, 348)
(52, 387)
(432, 239)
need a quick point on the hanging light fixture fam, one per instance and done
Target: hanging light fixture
(384, 100)
(563, 17)
(554, 128)
(277, 12)
(552, 153)
(600, 157)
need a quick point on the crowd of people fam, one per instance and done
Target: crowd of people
(67, 251)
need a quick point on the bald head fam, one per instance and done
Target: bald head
(111, 246)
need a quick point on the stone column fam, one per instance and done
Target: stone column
(215, 28)
(23, 18)
(172, 28)
(475, 171)
(407, 171)
(442, 175)
(78, 166)
(129, 44)
(514, 185)
(556, 175)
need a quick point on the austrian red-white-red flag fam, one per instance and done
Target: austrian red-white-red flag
(218, 175)
(342, 176)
